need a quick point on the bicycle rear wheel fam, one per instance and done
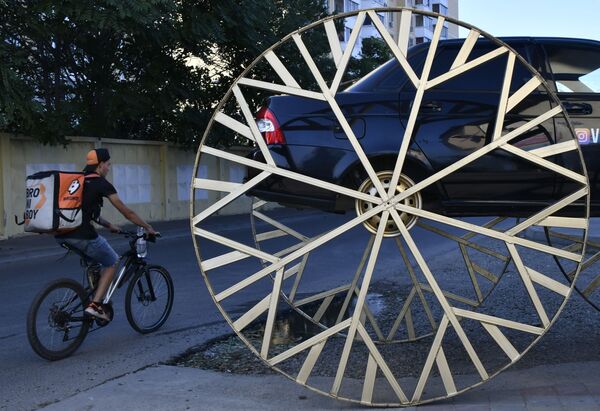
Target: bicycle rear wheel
(55, 323)
(149, 299)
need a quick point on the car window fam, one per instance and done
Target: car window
(397, 78)
(391, 76)
(487, 76)
(575, 69)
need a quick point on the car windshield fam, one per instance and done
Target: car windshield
(576, 69)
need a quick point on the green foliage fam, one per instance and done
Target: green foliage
(228, 35)
(374, 53)
(101, 68)
(120, 68)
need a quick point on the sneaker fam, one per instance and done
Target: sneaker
(95, 309)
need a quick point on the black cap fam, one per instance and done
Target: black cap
(95, 157)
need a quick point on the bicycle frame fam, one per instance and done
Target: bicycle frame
(126, 261)
(129, 259)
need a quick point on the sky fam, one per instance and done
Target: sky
(551, 18)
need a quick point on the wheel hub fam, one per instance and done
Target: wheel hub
(404, 183)
(58, 318)
(145, 299)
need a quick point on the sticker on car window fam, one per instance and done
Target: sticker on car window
(587, 135)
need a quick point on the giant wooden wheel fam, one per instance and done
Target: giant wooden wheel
(436, 270)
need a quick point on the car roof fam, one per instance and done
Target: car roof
(562, 41)
(365, 83)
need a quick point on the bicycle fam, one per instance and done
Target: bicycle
(58, 309)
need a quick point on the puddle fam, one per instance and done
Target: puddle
(229, 354)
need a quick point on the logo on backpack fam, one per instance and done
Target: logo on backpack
(74, 187)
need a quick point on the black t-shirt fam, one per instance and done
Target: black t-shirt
(94, 189)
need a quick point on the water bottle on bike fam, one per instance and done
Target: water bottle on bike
(140, 245)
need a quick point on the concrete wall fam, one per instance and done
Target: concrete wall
(152, 177)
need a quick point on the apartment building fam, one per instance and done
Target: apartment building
(422, 26)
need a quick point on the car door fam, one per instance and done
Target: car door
(457, 118)
(573, 68)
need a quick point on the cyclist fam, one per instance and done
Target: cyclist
(85, 237)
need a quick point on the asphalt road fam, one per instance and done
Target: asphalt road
(28, 382)
(27, 264)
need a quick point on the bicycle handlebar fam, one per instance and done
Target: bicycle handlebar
(133, 235)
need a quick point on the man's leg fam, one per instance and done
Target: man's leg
(106, 277)
(101, 251)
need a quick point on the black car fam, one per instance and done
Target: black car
(456, 118)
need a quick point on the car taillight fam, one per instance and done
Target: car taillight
(269, 127)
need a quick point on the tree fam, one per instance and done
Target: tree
(374, 53)
(99, 68)
(118, 68)
(226, 36)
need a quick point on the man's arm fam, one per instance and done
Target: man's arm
(105, 223)
(129, 214)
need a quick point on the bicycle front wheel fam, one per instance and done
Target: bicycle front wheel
(56, 326)
(149, 299)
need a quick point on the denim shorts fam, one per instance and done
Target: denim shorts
(97, 249)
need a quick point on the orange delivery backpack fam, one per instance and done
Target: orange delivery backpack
(53, 201)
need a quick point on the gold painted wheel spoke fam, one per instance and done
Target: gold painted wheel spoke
(464, 241)
(439, 295)
(294, 255)
(592, 286)
(339, 115)
(358, 310)
(290, 174)
(589, 279)
(416, 289)
(436, 177)
(416, 105)
(326, 297)
(489, 233)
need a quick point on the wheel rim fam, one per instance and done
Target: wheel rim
(458, 329)
(404, 183)
(148, 311)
